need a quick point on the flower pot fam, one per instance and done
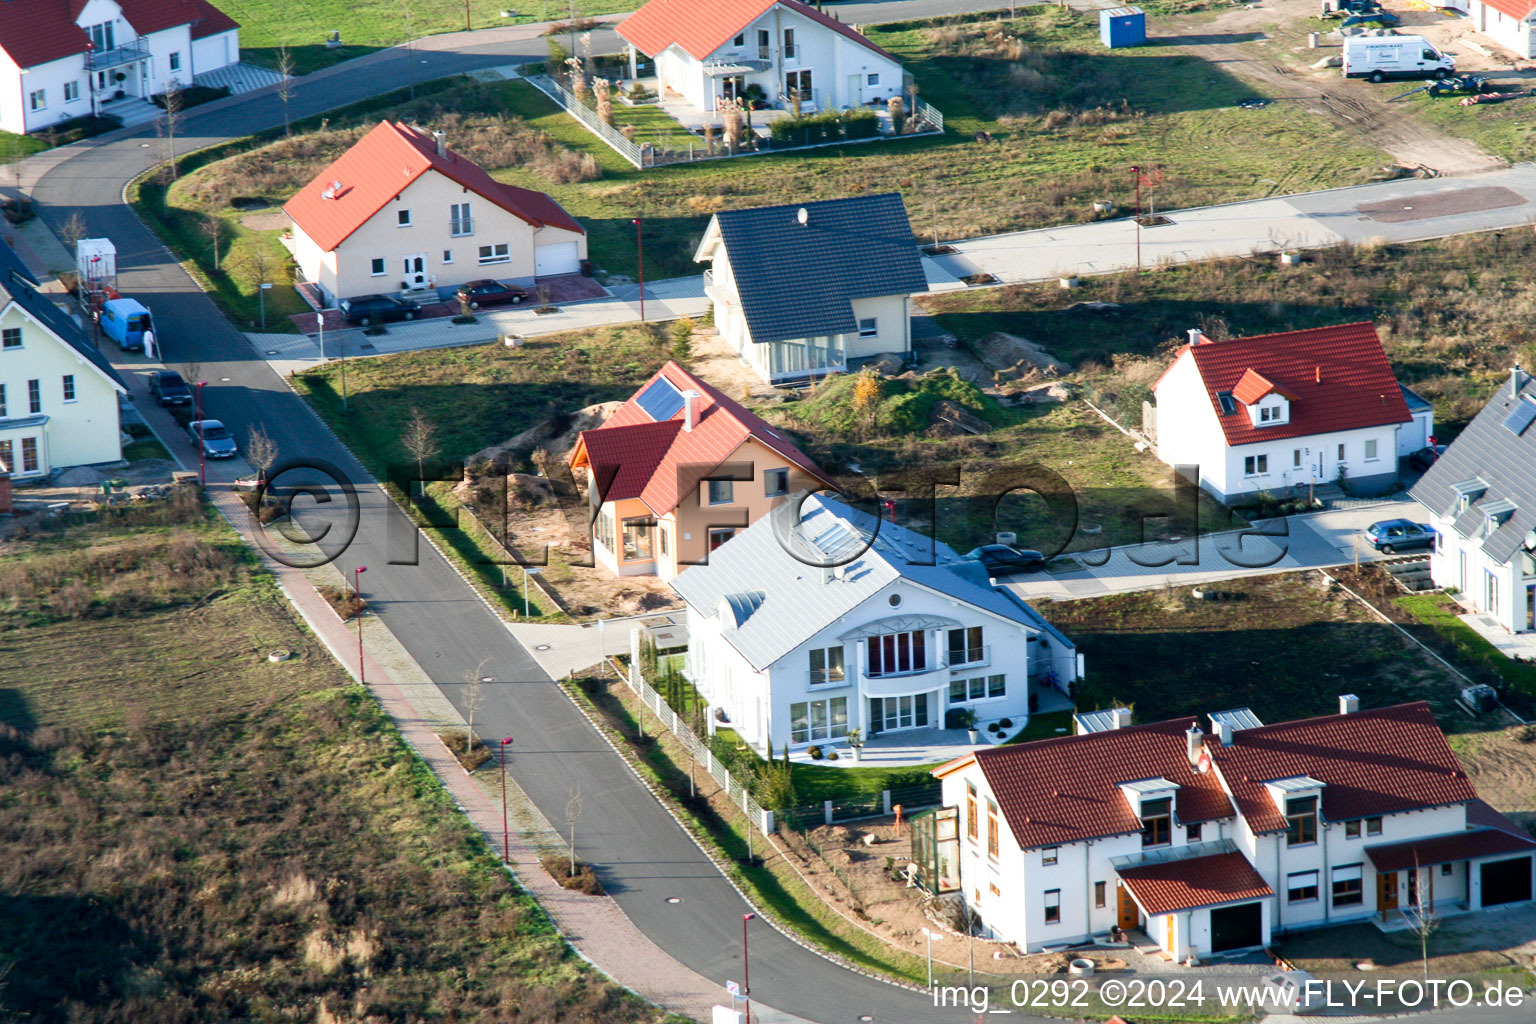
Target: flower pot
(974, 735)
(858, 753)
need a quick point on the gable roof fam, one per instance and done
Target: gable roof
(1067, 789)
(781, 558)
(378, 168)
(1517, 9)
(1186, 883)
(700, 27)
(1337, 378)
(634, 456)
(34, 32)
(16, 285)
(1506, 462)
(799, 280)
(1379, 761)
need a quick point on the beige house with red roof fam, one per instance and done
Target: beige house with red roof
(707, 51)
(1283, 411)
(401, 211)
(1215, 842)
(62, 59)
(678, 470)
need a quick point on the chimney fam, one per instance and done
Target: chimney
(690, 410)
(442, 143)
(1319, 373)
(1194, 744)
(1122, 718)
(1348, 704)
(1514, 381)
(1222, 731)
(1195, 337)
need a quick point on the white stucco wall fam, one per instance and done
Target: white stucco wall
(1503, 590)
(82, 432)
(216, 51)
(1507, 31)
(892, 322)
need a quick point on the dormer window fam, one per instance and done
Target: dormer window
(1269, 411)
(1269, 414)
(1157, 822)
(1300, 820)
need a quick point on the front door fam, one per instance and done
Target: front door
(1386, 891)
(1129, 916)
(1172, 945)
(855, 90)
(415, 268)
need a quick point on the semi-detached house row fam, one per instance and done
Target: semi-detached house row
(1213, 842)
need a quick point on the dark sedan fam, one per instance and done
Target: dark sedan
(382, 308)
(169, 389)
(491, 293)
(1422, 459)
(1002, 560)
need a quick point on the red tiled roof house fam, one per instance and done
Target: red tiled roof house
(1211, 843)
(1510, 23)
(400, 211)
(707, 51)
(677, 470)
(1282, 411)
(61, 59)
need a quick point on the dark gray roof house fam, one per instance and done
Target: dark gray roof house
(18, 285)
(811, 275)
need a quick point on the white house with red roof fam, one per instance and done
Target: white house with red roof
(62, 59)
(1507, 22)
(400, 211)
(1215, 842)
(678, 470)
(1281, 411)
(707, 51)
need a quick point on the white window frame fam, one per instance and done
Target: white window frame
(1372, 448)
(873, 78)
(500, 252)
(173, 60)
(68, 386)
(72, 91)
(1256, 465)
(447, 256)
(37, 99)
(1052, 906)
(461, 220)
(376, 267)
(729, 490)
(402, 218)
(770, 490)
(869, 327)
(828, 730)
(830, 675)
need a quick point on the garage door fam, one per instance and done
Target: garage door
(556, 258)
(1506, 881)
(1237, 927)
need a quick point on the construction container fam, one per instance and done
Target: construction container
(96, 261)
(1123, 26)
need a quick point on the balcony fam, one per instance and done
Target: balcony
(904, 684)
(100, 60)
(971, 657)
(714, 291)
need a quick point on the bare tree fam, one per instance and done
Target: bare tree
(1422, 919)
(474, 700)
(72, 230)
(285, 64)
(170, 121)
(260, 450)
(572, 815)
(421, 440)
(213, 226)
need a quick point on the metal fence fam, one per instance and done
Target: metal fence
(830, 812)
(587, 116)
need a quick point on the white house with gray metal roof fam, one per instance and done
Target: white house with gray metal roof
(802, 290)
(1481, 497)
(799, 631)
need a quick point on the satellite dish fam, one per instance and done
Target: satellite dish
(330, 193)
(1530, 541)
(803, 215)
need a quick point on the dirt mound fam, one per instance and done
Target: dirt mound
(951, 419)
(556, 434)
(1009, 356)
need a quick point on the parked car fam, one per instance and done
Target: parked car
(1422, 459)
(213, 437)
(1002, 560)
(382, 308)
(491, 293)
(1391, 535)
(169, 389)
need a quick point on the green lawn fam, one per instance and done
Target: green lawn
(1440, 613)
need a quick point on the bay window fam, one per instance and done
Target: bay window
(895, 653)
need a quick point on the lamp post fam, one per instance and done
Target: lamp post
(746, 968)
(640, 260)
(357, 613)
(505, 840)
(202, 445)
(526, 573)
(1136, 176)
(929, 936)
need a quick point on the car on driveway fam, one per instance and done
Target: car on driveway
(1002, 560)
(1422, 459)
(1392, 535)
(213, 437)
(491, 293)
(382, 308)
(169, 389)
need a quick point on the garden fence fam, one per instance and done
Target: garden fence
(587, 116)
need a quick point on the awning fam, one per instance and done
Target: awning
(736, 67)
(1472, 844)
(1192, 882)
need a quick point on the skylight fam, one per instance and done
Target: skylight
(661, 400)
(1520, 417)
(1228, 407)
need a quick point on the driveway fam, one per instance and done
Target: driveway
(1315, 541)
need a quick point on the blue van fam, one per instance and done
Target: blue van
(125, 321)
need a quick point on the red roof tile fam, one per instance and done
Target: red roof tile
(35, 32)
(1337, 378)
(1471, 844)
(624, 459)
(158, 15)
(677, 463)
(385, 161)
(1067, 789)
(700, 27)
(1252, 386)
(1381, 761)
(1194, 882)
(1517, 9)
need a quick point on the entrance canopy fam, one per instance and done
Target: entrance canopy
(1191, 882)
(1473, 844)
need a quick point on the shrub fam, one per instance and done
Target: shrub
(1006, 723)
(814, 752)
(471, 757)
(831, 755)
(828, 126)
(558, 865)
(341, 600)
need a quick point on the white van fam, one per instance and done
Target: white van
(1382, 57)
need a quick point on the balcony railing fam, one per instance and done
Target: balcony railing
(100, 60)
(713, 290)
(458, 227)
(901, 684)
(971, 657)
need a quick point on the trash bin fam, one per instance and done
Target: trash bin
(586, 268)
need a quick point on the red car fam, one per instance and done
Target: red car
(491, 293)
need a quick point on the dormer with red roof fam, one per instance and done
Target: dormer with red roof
(1289, 411)
(709, 51)
(678, 469)
(401, 210)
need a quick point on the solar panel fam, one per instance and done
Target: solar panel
(1520, 418)
(661, 400)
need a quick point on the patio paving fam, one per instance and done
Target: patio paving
(1511, 645)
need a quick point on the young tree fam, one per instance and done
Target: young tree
(260, 450)
(867, 395)
(170, 121)
(682, 341)
(474, 700)
(572, 815)
(420, 438)
(1422, 918)
(578, 75)
(285, 64)
(213, 226)
(72, 230)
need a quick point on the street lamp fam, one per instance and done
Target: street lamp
(929, 936)
(640, 259)
(526, 572)
(202, 447)
(357, 613)
(746, 968)
(505, 842)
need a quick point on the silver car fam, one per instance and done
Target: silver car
(213, 437)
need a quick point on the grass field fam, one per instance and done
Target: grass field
(196, 834)
(1440, 613)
